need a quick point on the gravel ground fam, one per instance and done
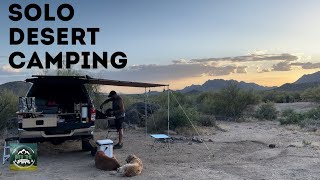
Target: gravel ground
(242, 152)
(297, 106)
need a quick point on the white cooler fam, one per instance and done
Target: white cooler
(106, 145)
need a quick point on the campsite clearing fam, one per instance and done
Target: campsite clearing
(242, 152)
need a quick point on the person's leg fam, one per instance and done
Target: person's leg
(120, 131)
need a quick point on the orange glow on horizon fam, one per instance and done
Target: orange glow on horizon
(264, 79)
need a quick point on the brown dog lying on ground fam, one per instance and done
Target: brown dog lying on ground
(106, 163)
(132, 168)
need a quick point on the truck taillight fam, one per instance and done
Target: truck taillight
(93, 114)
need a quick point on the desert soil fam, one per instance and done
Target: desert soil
(297, 106)
(242, 152)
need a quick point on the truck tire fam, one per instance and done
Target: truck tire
(85, 145)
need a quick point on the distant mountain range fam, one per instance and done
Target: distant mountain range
(309, 78)
(306, 81)
(19, 88)
(297, 86)
(217, 84)
(303, 83)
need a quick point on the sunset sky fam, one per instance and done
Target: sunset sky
(186, 42)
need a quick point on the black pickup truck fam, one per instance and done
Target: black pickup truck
(63, 111)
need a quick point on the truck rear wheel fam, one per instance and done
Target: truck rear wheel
(85, 145)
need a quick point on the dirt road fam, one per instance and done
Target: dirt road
(240, 153)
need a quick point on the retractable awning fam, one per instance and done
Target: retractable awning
(123, 83)
(90, 80)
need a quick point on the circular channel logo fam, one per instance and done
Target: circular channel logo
(24, 156)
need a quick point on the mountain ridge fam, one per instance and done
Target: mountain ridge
(309, 78)
(19, 88)
(217, 84)
(304, 82)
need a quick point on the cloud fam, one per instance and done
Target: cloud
(282, 66)
(307, 65)
(180, 61)
(252, 57)
(264, 70)
(7, 73)
(183, 69)
(7, 68)
(242, 69)
(170, 72)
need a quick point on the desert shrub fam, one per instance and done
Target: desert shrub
(289, 116)
(312, 94)
(313, 114)
(207, 120)
(205, 102)
(8, 107)
(266, 111)
(232, 101)
(135, 113)
(311, 124)
(177, 118)
(309, 119)
(280, 96)
(95, 95)
(312, 119)
(130, 100)
(158, 121)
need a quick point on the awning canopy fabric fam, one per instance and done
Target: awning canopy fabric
(123, 83)
(90, 80)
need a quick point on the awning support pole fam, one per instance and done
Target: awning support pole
(168, 110)
(145, 110)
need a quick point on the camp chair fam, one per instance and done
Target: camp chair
(6, 148)
(161, 138)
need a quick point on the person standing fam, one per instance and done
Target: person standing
(118, 112)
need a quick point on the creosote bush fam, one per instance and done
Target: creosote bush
(266, 111)
(8, 107)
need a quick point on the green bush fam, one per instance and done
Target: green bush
(289, 116)
(159, 121)
(205, 102)
(8, 107)
(177, 118)
(266, 111)
(280, 96)
(312, 119)
(207, 120)
(230, 102)
(313, 114)
(309, 119)
(312, 94)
